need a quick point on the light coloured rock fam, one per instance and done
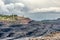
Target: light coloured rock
(53, 36)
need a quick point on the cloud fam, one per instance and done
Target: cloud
(11, 1)
(16, 8)
(2, 7)
(36, 3)
(28, 6)
(50, 9)
(1, 3)
(41, 3)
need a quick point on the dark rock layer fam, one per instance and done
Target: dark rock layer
(32, 29)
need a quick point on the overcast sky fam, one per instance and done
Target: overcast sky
(28, 6)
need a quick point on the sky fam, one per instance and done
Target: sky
(28, 6)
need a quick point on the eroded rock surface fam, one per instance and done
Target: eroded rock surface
(32, 29)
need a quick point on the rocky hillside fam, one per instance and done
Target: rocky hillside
(14, 19)
(31, 29)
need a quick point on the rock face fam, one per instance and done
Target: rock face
(23, 20)
(32, 29)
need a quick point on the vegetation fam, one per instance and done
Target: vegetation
(8, 17)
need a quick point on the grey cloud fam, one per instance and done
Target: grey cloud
(26, 6)
(16, 8)
(36, 3)
(11, 1)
